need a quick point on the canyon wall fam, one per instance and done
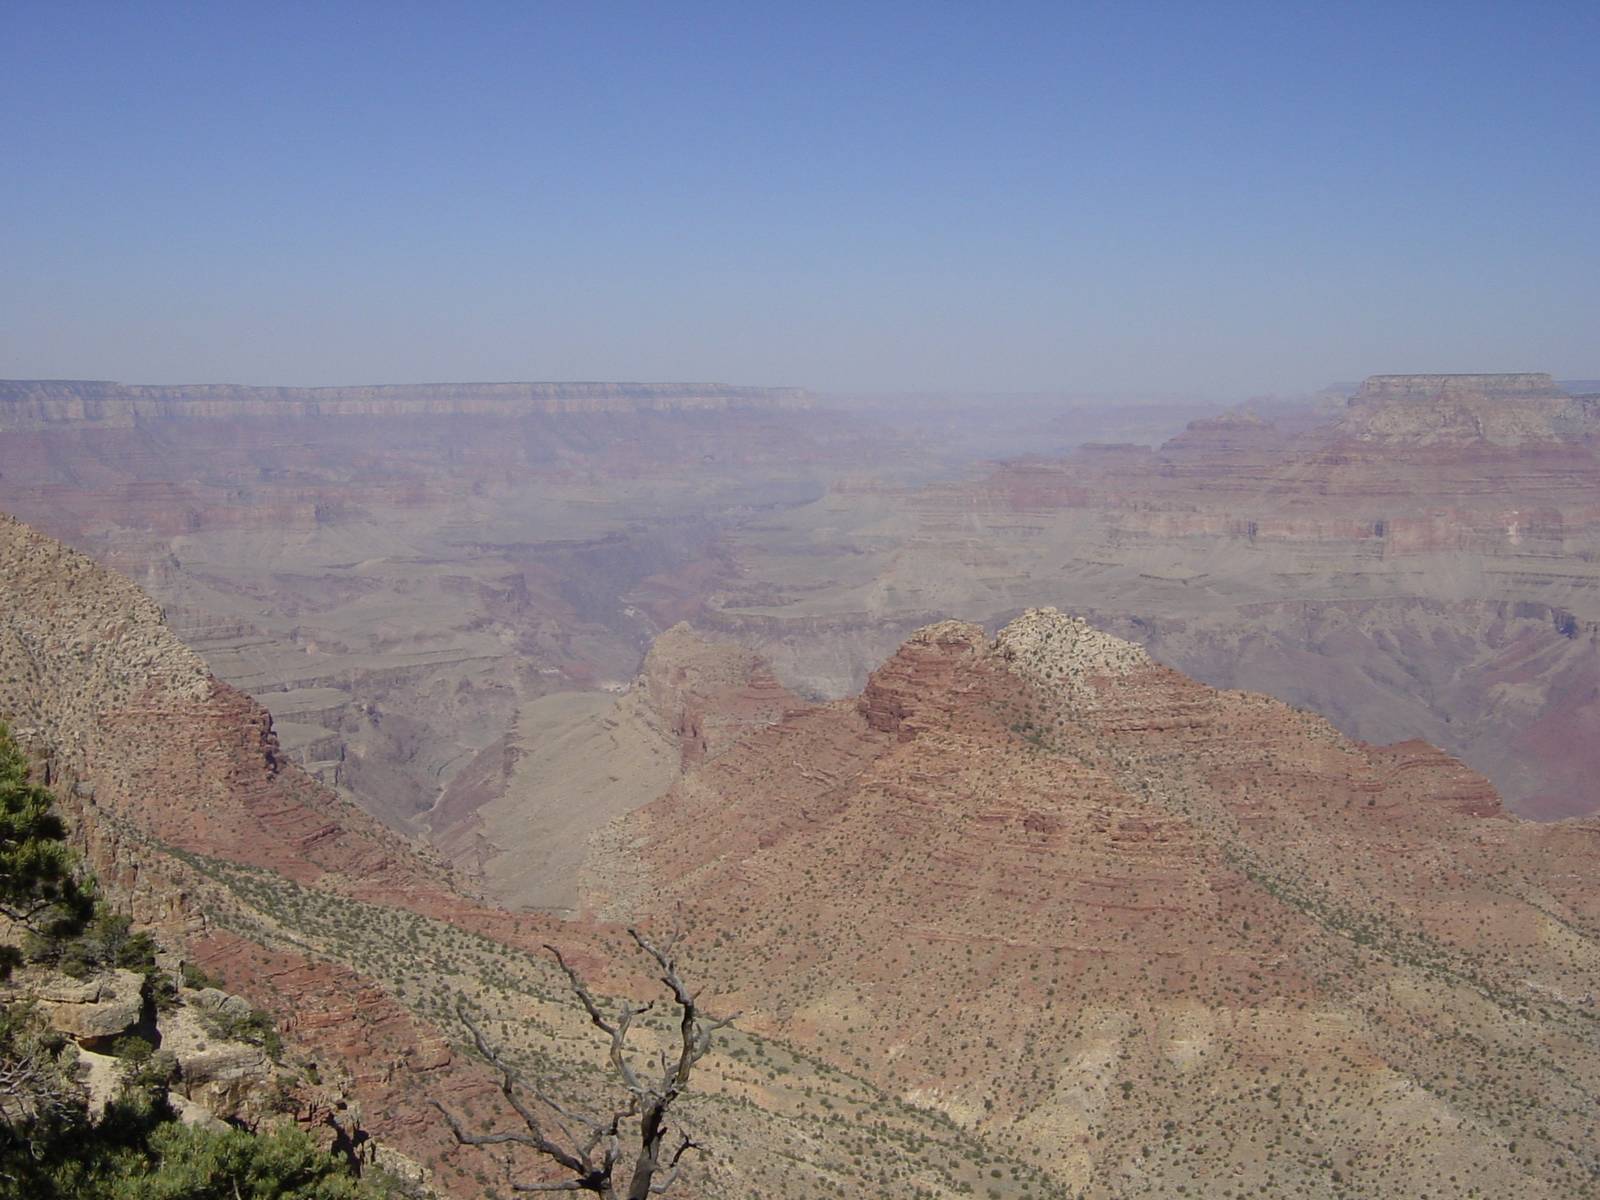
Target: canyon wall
(407, 592)
(394, 571)
(41, 403)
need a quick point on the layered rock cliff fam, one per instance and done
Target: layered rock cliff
(1151, 936)
(1513, 387)
(89, 670)
(1500, 410)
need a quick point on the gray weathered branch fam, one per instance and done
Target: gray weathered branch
(581, 1137)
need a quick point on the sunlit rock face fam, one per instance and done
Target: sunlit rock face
(1147, 932)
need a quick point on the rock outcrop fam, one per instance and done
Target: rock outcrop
(91, 1011)
(215, 1076)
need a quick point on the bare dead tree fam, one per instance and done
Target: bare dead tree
(592, 1149)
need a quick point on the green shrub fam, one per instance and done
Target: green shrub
(38, 884)
(190, 1164)
(197, 977)
(106, 940)
(255, 1027)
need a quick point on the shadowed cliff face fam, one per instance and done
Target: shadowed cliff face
(1144, 931)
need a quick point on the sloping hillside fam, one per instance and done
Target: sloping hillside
(359, 945)
(1147, 935)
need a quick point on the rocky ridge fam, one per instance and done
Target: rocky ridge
(1145, 933)
(215, 1075)
(1418, 562)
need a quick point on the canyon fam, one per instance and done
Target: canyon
(407, 575)
(444, 594)
(1030, 913)
(358, 943)
(422, 581)
(394, 570)
(800, 605)
(1418, 561)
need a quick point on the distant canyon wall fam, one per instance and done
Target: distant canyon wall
(41, 403)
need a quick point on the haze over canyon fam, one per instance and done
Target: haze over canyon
(939, 603)
(403, 682)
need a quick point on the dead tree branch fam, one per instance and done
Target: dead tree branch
(591, 1149)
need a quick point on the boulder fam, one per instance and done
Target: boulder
(96, 1009)
(222, 1062)
(215, 1000)
(195, 1115)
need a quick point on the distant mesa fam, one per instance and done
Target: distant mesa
(1526, 385)
(1505, 410)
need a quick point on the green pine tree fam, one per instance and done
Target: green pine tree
(38, 888)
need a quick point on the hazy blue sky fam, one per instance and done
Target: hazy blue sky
(1220, 197)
